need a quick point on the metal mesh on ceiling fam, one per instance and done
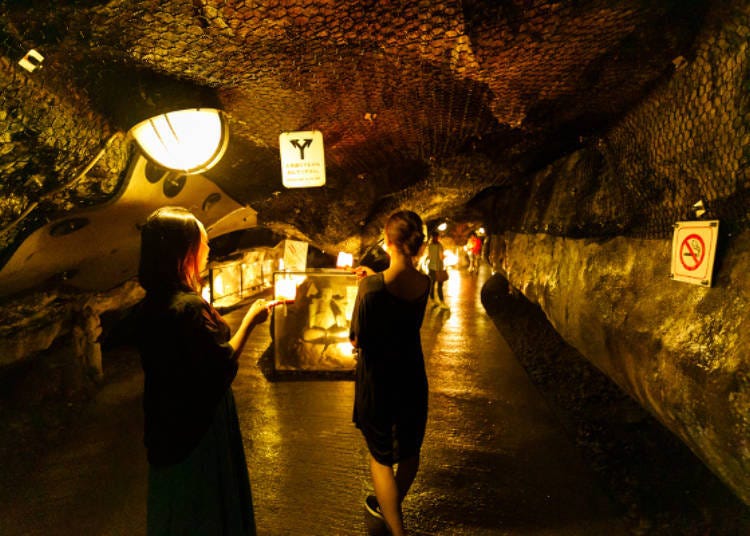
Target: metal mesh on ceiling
(426, 102)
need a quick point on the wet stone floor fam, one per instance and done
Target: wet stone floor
(495, 461)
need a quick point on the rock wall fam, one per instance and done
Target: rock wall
(50, 342)
(680, 350)
(688, 141)
(589, 240)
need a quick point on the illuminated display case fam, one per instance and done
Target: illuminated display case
(312, 334)
(231, 281)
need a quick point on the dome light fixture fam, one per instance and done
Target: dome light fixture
(191, 141)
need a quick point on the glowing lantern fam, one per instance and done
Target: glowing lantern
(285, 289)
(344, 260)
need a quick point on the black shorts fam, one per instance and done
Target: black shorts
(401, 441)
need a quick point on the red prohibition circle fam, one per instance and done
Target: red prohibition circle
(686, 250)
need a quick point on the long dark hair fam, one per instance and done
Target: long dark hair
(404, 230)
(170, 241)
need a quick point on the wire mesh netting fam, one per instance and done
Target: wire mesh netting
(581, 118)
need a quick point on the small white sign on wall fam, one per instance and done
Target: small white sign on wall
(693, 251)
(302, 159)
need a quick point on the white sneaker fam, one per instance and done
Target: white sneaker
(372, 507)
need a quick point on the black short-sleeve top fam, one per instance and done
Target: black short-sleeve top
(188, 366)
(386, 329)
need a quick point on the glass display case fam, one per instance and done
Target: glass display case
(232, 280)
(313, 332)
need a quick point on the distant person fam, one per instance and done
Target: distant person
(390, 403)
(436, 268)
(474, 252)
(198, 480)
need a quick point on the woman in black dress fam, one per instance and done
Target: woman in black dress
(390, 406)
(198, 480)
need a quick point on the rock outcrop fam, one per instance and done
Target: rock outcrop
(680, 350)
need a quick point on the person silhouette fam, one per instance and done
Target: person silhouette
(436, 268)
(197, 479)
(391, 390)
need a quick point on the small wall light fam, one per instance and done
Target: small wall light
(191, 141)
(31, 61)
(699, 208)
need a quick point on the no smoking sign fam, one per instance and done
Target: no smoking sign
(693, 251)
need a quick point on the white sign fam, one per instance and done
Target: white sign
(295, 256)
(693, 251)
(303, 162)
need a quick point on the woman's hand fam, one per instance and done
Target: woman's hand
(362, 271)
(258, 311)
(256, 314)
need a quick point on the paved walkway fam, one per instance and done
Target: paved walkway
(495, 460)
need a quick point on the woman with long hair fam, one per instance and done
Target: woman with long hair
(390, 405)
(198, 479)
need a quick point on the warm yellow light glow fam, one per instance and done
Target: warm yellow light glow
(344, 259)
(267, 270)
(191, 141)
(442, 227)
(450, 258)
(218, 285)
(285, 289)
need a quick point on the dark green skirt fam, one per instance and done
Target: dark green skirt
(209, 492)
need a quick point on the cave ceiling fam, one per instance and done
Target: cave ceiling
(422, 105)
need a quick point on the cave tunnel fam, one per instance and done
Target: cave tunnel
(592, 375)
